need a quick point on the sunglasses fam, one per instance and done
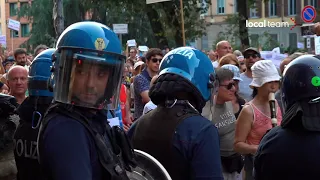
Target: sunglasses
(154, 60)
(251, 55)
(229, 86)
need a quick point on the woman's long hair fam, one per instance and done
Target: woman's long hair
(254, 92)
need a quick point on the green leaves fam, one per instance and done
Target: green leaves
(156, 29)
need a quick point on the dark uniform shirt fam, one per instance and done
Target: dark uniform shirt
(69, 151)
(288, 154)
(197, 139)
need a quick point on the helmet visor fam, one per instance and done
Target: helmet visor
(89, 80)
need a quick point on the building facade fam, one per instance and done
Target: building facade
(272, 11)
(2, 18)
(16, 38)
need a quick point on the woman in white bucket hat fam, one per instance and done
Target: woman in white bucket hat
(254, 120)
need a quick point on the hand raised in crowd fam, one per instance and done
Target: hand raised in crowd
(28, 62)
(126, 127)
(317, 28)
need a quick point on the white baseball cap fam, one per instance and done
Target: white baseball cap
(137, 64)
(234, 69)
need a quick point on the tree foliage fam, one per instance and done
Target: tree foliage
(154, 25)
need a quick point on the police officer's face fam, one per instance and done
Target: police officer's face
(90, 82)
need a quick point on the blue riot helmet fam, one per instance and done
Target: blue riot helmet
(194, 67)
(88, 66)
(39, 73)
(301, 91)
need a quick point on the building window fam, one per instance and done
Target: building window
(220, 5)
(254, 38)
(13, 9)
(272, 8)
(274, 37)
(24, 4)
(253, 11)
(235, 6)
(25, 31)
(314, 3)
(14, 34)
(204, 42)
(293, 40)
(292, 7)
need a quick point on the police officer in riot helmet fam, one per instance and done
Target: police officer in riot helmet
(8, 123)
(175, 133)
(291, 151)
(31, 112)
(75, 141)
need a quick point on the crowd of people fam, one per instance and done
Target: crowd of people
(202, 115)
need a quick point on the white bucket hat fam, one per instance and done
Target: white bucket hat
(264, 71)
(234, 69)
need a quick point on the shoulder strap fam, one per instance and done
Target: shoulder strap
(253, 112)
(47, 117)
(107, 158)
(113, 114)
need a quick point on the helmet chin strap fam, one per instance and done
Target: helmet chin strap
(98, 104)
(172, 103)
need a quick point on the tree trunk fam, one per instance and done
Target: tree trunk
(173, 15)
(58, 18)
(156, 26)
(243, 30)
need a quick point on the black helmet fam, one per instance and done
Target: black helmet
(301, 80)
(301, 93)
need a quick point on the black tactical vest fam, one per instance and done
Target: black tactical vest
(154, 135)
(111, 158)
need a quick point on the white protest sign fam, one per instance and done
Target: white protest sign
(13, 24)
(120, 28)
(132, 43)
(155, 1)
(317, 45)
(143, 48)
(114, 121)
(3, 40)
(277, 59)
(300, 45)
(276, 50)
(266, 54)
